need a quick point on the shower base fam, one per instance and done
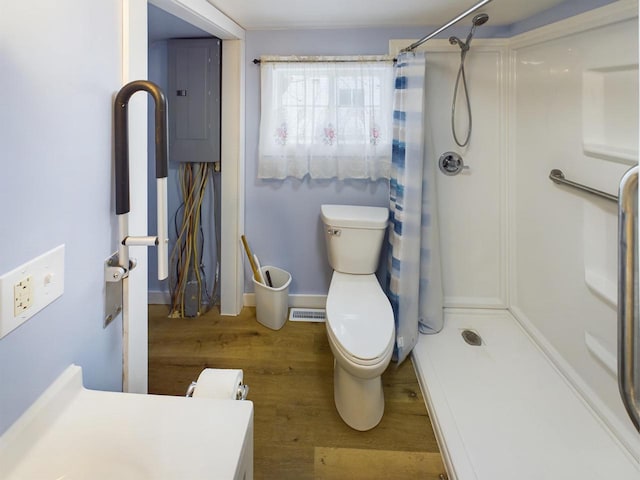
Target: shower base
(501, 410)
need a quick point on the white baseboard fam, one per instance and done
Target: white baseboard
(320, 301)
(295, 300)
(249, 300)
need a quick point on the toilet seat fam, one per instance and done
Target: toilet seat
(359, 318)
(359, 362)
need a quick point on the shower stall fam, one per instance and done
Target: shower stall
(529, 266)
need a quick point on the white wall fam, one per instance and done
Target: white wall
(562, 239)
(471, 205)
(61, 66)
(472, 210)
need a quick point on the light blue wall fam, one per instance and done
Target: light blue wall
(56, 184)
(282, 216)
(281, 220)
(158, 73)
(61, 66)
(164, 26)
(559, 12)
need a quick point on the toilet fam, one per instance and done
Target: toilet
(360, 325)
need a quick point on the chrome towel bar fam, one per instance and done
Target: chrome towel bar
(556, 176)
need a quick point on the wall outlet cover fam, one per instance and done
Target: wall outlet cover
(22, 295)
(29, 288)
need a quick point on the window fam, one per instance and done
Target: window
(326, 118)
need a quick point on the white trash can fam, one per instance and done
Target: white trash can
(272, 303)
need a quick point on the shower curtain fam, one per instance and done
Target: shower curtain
(414, 283)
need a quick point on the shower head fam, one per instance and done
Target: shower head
(480, 19)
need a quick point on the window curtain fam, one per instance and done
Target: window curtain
(325, 117)
(414, 283)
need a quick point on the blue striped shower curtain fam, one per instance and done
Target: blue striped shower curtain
(414, 283)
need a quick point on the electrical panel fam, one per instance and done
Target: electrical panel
(193, 97)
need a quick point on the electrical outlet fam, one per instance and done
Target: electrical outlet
(22, 295)
(29, 288)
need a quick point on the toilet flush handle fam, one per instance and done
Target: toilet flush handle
(334, 232)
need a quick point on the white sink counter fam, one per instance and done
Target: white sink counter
(75, 433)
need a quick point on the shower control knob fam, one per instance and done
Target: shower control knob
(451, 163)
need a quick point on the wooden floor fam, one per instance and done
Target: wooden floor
(298, 433)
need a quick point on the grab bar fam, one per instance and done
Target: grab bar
(121, 139)
(556, 176)
(628, 333)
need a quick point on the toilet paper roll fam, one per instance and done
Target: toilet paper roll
(220, 383)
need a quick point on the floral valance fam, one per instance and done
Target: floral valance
(326, 117)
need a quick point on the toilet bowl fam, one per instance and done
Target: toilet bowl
(360, 330)
(360, 325)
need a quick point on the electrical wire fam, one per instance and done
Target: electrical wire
(188, 252)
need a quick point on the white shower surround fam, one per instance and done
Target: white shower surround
(543, 266)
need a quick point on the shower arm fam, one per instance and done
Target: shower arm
(121, 127)
(451, 22)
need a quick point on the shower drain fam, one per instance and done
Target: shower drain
(472, 338)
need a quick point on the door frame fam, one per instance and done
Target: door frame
(205, 16)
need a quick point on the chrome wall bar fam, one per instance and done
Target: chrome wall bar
(628, 329)
(451, 22)
(556, 176)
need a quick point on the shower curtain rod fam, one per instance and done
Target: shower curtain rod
(451, 22)
(258, 61)
(411, 47)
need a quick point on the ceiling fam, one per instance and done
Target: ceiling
(302, 14)
(163, 25)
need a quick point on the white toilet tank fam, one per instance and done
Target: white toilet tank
(354, 236)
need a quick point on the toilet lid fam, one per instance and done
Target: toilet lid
(359, 315)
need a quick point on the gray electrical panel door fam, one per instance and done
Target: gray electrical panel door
(194, 100)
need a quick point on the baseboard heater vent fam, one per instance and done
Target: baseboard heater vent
(307, 315)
